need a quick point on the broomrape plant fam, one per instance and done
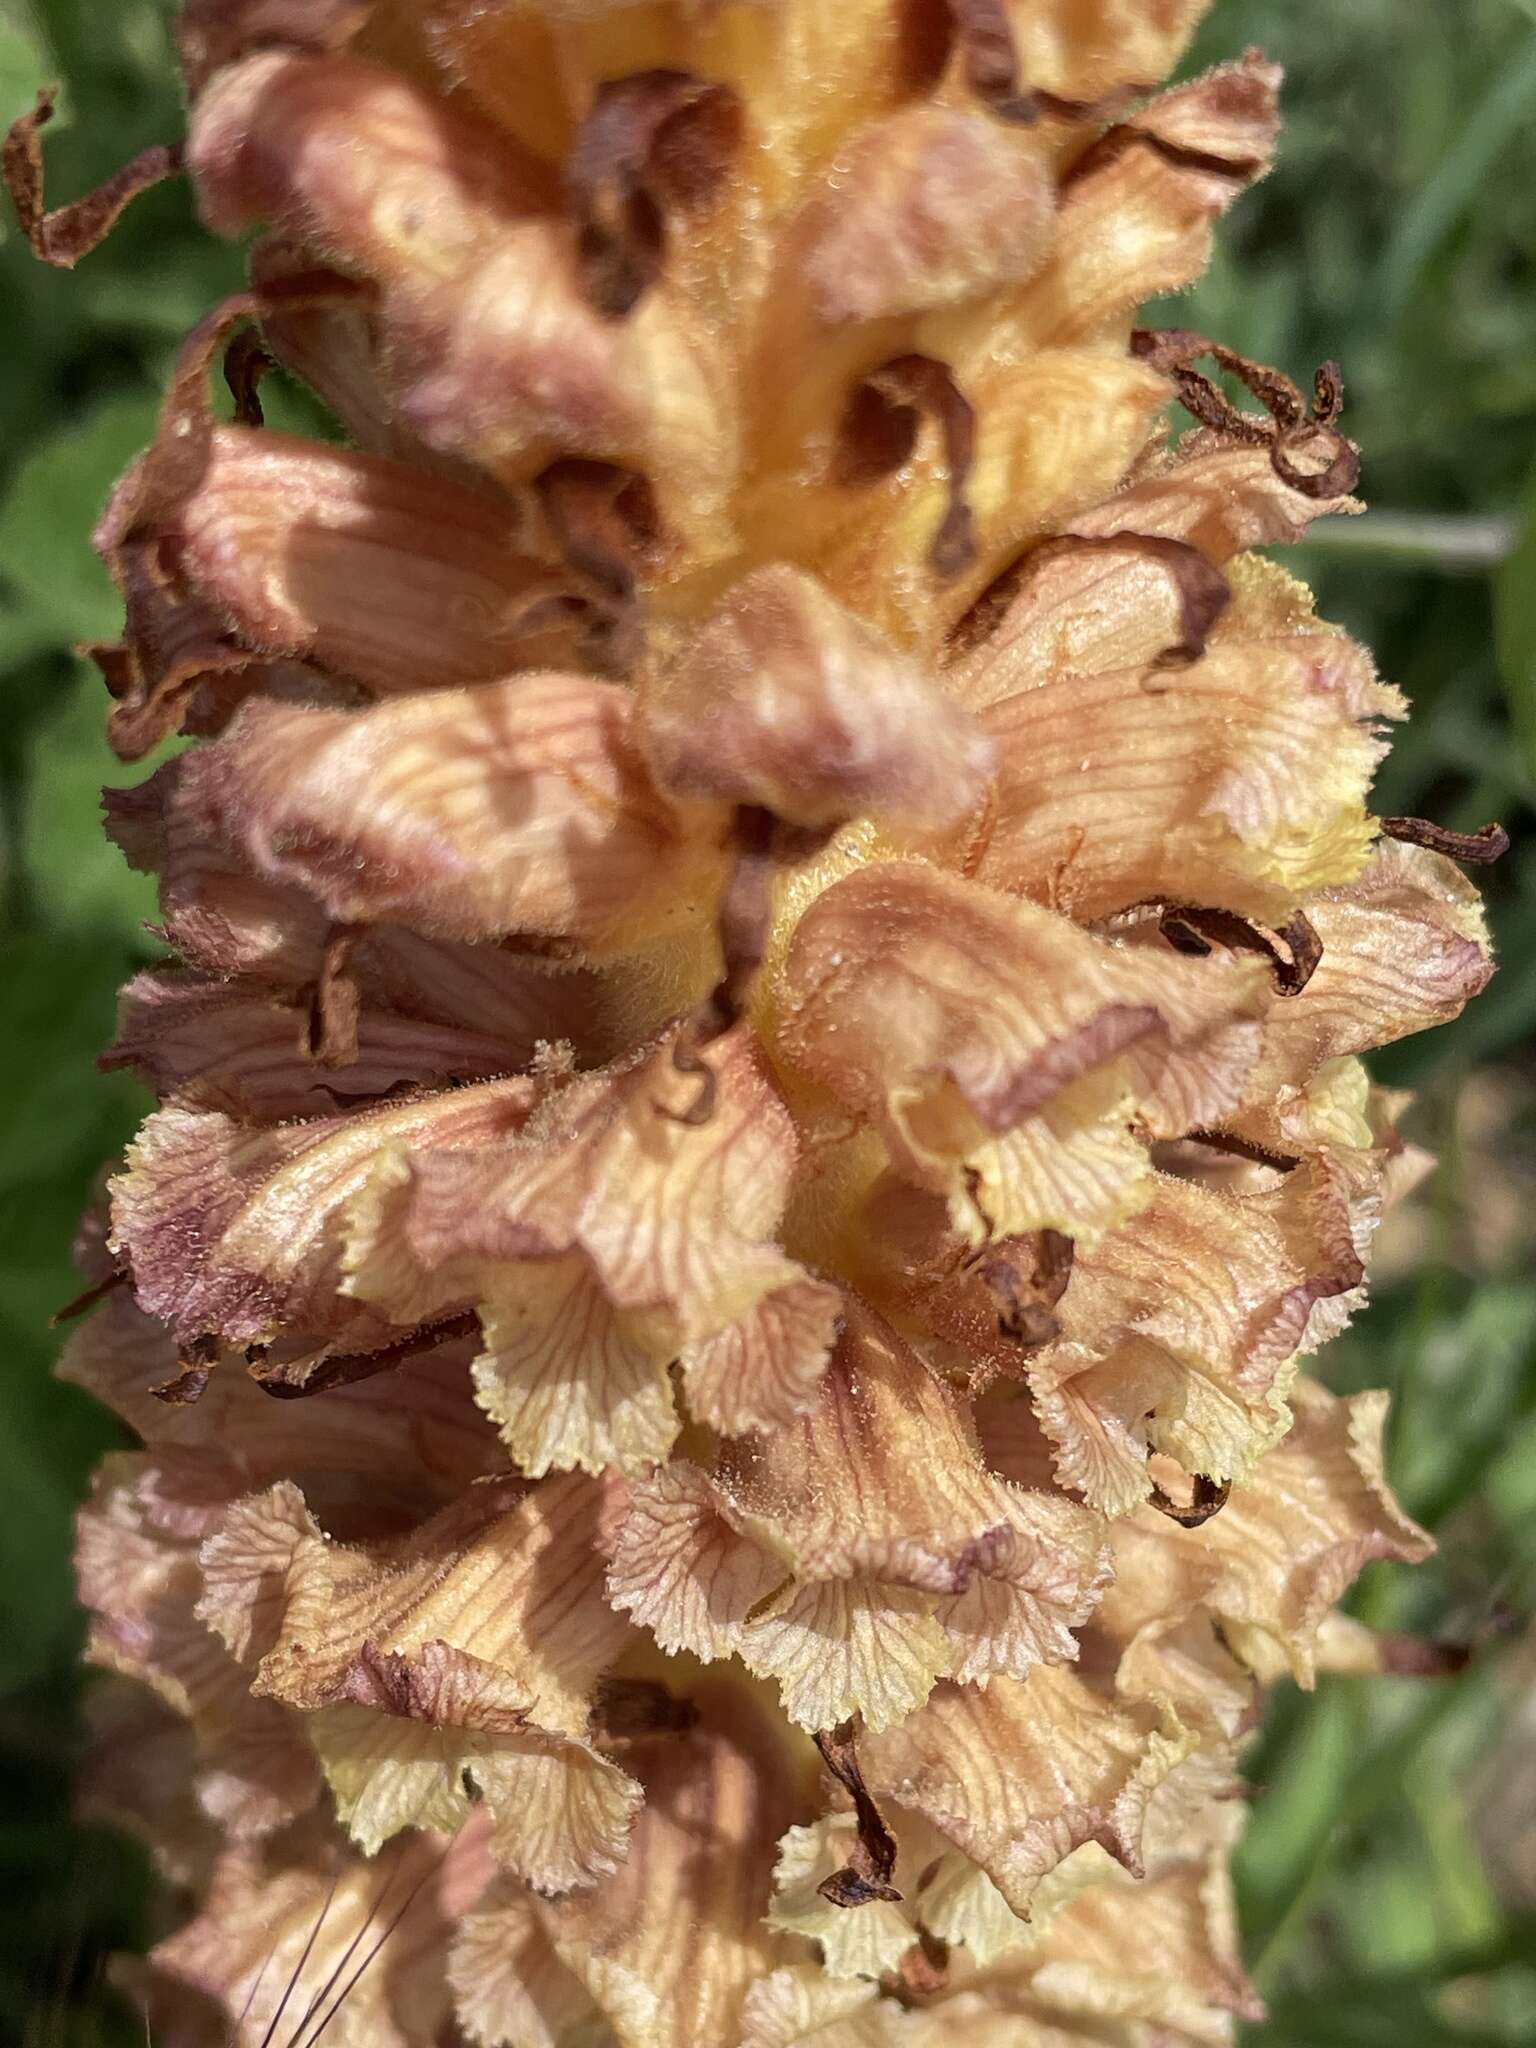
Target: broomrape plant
(774, 922)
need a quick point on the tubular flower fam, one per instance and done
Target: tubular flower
(772, 923)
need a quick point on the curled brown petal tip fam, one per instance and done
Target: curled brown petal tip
(879, 432)
(654, 141)
(297, 1379)
(246, 361)
(1209, 1497)
(1488, 844)
(1294, 950)
(1292, 427)
(195, 1362)
(866, 1875)
(745, 912)
(61, 237)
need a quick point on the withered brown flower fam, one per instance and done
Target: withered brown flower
(773, 922)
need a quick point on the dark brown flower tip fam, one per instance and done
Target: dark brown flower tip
(87, 1298)
(246, 361)
(1025, 1299)
(879, 433)
(746, 910)
(196, 1362)
(1209, 1497)
(1204, 592)
(866, 1875)
(1294, 950)
(1330, 464)
(654, 142)
(63, 236)
(1488, 844)
(296, 1379)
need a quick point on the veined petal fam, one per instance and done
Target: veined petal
(136, 1571)
(310, 1927)
(1405, 947)
(665, 1949)
(1175, 1330)
(995, 1040)
(517, 807)
(1218, 498)
(414, 1731)
(889, 1545)
(931, 206)
(210, 1044)
(373, 1457)
(391, 575)
(608, 1237)
(1020, 1774)
(1285, 1547)
(1238, 781)
(1137, 216)
(472, 1649)
(784, 699)
(236, 1232)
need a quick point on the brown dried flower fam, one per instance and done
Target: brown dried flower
(760, 1089)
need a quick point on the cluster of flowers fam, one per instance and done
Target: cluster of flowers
(774, 923)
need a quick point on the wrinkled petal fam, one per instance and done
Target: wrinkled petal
(395, 577)
(310, 1928)
(894, 1555)
(518, 807)
(1008, 1058)
(785, 700)
(237, 1233)
(472, 1653)
(609, 1237)
(1286, 1546)
(666, 1949)
(1019, 1775)
(1237, 782)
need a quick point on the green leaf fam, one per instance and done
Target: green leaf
(1514, 627)
(54, 499)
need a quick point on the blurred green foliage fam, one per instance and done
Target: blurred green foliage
(1388, 1885)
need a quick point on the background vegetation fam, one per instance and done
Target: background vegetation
(1389, 1880)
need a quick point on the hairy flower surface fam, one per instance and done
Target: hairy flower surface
(773, 920)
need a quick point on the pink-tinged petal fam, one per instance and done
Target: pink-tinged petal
(236, 1233)
(517, 807)
(784, 699)
(391, 575)
(1009, 1059)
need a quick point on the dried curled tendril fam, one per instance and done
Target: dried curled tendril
(867, 1874)
(1292, 426)
(1488, 844)
(1293, 950)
